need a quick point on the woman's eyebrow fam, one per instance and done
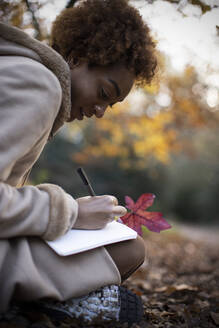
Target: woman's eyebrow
(118, 92)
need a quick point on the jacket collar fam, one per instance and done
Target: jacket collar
(52, 60)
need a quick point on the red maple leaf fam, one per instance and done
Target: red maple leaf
(137, 216)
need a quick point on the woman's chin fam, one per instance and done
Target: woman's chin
(71, 119)
(76, 115)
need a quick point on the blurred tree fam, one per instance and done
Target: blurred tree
(203, 4)
(24, 14)
(12, 12)
(32, 8)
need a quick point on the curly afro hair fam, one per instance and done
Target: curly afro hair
(105, 32)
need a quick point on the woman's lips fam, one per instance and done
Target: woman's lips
(79, 115)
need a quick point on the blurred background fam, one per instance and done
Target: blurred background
(164, 138)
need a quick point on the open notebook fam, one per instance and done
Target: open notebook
(77, 241)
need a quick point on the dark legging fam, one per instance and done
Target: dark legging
(128, 255)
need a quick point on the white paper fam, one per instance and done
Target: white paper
(76, 241)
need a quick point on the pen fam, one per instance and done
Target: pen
(86, 181)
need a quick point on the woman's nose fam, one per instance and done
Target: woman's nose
(99, 110)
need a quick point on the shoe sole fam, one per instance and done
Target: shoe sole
(131, 308)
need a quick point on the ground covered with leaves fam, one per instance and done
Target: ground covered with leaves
(178, 283)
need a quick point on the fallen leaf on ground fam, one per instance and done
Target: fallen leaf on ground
(171, 289)
(215, 317)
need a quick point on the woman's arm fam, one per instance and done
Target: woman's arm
(30, 97)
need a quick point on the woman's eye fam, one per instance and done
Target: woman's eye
(104, 95)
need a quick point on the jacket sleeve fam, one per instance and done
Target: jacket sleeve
(30, 97)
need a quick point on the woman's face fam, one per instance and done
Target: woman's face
(95, 88)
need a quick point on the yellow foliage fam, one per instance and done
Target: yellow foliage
(129, 137)
(192, 111)
(17, 16)
(152, 88)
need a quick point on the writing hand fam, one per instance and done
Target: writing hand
(94, 212)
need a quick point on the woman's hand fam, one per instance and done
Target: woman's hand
(94, 212)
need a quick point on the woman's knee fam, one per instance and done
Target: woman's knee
(127, 255)
(137, 250)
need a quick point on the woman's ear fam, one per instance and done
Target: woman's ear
(73, 62)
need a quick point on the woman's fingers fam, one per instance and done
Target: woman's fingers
(114, 200)
(119, 210)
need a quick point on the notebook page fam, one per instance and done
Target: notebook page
(76, 241)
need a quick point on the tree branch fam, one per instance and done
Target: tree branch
(34, 20)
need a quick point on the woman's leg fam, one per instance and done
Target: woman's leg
(30, 270)
(128, 255)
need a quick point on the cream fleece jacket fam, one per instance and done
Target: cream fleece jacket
(32, 108)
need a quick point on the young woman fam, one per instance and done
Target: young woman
(100, 49)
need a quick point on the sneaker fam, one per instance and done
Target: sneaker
(110, 303)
